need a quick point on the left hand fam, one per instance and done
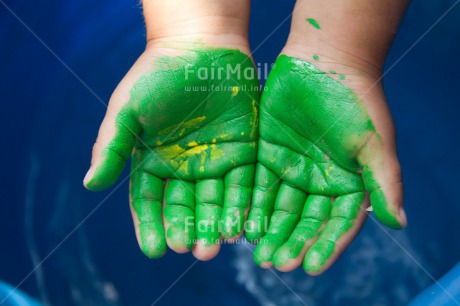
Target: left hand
(319, 152)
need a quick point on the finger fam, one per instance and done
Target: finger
(179, 216)
(209, 197)
(315, 213)
(115, 141)
(266, 188)
(146, 195)
(288, 206)
(347, 217)
(382, 179)
(238, 187)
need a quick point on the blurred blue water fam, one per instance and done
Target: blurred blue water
(49, 122)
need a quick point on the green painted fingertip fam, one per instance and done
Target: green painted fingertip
(255, 226)
(384, 214)
(252, 237)
(286, 254)
(106, 173)
(317, 257)
(151, 245)
(232, 223)
(263, 254)
(178, 240)
(384, 211)
(206, 225)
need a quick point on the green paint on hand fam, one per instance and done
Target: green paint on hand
(341, 76)
(315, 57)
(313, 22)
(325, 128)
(209, 203)
(315, 213)
(332, 72)
(171, 134)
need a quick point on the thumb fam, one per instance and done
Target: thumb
(382, 178)
(115, 141)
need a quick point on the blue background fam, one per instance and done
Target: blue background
(49, 121)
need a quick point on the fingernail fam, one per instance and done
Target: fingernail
(88, 176)
(402, 217)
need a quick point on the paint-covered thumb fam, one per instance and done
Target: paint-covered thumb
(115, 142)
(105, 171)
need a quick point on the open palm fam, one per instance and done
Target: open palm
(190, 123)
(318, 154)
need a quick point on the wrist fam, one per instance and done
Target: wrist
(219, 23)
(179, 43)
(330, 59)
(354, 33)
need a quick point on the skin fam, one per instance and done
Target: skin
(189, 124)
(336, 152)
(312, 189)
(313, 22)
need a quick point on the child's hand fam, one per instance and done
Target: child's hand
(319, 152)
(187, 114)
(327, 138)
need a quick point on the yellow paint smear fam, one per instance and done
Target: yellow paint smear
(216, 152)
(203, 157)
(254, 121)
(329, 169)
(235, 90)
(174, 163)
(196, 150)
(184, 167)
(170, 152)
(193, 123)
